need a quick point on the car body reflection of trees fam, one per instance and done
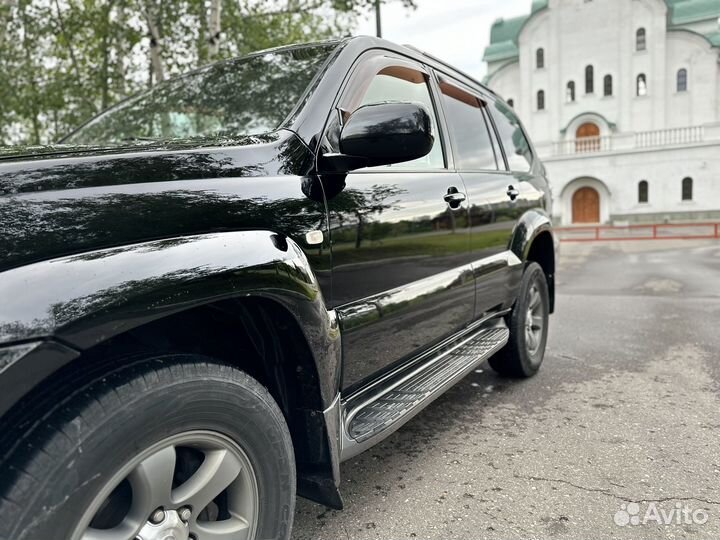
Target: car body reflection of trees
(101, 201)
(248, 95)
(146, 280)
(31, 224)
(359, 235)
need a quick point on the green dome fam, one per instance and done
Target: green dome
(500, 51)
(506, 29)
(537, 5)
(714, 38)
(688, 11)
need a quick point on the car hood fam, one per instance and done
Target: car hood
(26, 152)
(60, 200)
(39, 168)
(29, 152)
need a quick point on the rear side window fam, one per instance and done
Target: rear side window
(517, 148)
(469, 131)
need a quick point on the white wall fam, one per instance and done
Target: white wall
(507, 83)
(620, 172)
(602, 33)
(696, 106)
(576, 33)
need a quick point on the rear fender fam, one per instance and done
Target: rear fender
(529, 227)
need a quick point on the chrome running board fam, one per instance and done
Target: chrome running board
(375, 412)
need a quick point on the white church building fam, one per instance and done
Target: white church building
(622, 101)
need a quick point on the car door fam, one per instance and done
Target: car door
(517, 188)
(402, 279)
(499, 196)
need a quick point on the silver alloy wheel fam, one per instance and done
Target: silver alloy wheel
(156, 509)
(534, 321)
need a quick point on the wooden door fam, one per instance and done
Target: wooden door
(587, 138)
(587, 130)
(586, 206)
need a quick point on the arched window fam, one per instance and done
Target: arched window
(682, 81)
(589, 80)
(687, 189)
(540, 58)
(643, 191)
(541, 100)
(511, 102)
(570, 92)
(642, 85)
(607, 85)
(640, 40)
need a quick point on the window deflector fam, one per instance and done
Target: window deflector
(362, 79)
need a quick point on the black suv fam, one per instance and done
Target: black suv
(194, 324)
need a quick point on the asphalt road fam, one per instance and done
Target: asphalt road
(616, 437)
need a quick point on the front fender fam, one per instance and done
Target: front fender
(82, 300)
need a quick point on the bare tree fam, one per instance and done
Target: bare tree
(214, 28)
(363, 205)
(157, 69)
(120, 50)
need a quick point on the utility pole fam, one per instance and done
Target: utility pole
(378, 23)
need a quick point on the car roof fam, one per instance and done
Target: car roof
(306, 123)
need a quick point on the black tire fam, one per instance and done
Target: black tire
(92, 425)
(520, 358)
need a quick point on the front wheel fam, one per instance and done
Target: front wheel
(175, 446)
(528, 323)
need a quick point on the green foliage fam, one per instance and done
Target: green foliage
(63, 61)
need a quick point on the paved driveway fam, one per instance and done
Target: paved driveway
(617, 437)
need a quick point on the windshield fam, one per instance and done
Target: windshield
(245, 96)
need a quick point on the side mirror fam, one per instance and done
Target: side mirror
(383, 134)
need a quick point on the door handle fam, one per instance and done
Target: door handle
(454, 198)
(512, 193)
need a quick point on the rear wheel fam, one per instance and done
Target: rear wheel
(528, 323)
(176, 447)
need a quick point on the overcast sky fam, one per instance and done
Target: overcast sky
(456, 31)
